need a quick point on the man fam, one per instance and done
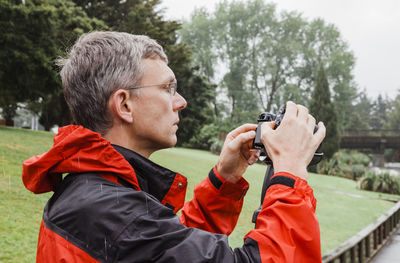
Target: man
(118, 206)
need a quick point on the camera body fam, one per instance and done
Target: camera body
(257, 144)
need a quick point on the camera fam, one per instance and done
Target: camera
(257, 144)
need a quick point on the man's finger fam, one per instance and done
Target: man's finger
(311, 122)
(266, 128)
(291, 111)
(302, 112)
(320, 134)
(242, 129)
(254, 155)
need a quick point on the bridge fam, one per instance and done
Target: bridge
(375, 140)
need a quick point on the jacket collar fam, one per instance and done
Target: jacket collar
(165, 185)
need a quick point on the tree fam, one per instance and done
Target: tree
(269, 57)
(378, 114)
(361, 115)
(322, 108)
(33, 36)
(324, 46)
(393, 115)
(198, 35)
(24, 66)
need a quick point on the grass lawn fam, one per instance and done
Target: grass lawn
(342, 209)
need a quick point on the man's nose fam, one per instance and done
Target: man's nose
(179, 102)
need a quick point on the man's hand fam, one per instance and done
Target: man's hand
(293, 144)
(237, 153)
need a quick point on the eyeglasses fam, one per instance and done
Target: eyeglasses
(170, 87)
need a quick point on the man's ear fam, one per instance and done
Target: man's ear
(122, 105)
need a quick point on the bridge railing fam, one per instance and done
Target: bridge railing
(365, 244)
(372, 133)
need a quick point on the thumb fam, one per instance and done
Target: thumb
(243, 138)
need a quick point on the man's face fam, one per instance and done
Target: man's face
(156, 119)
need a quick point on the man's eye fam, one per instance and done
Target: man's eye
(167, 88)
(170, 88)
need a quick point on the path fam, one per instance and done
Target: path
(390, 253)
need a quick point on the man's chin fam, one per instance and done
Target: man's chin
(174, 142)
(168, 144)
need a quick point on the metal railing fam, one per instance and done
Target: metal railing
(365, 244)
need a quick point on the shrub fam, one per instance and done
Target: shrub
(385, 183)
(345, 171)
(352, 157)
(216, 146)
(366, 182)
(328, 166)
(209, 133)
(205, 138)
(380, 182)
(343, 157)
(359, 158)
(351, 165)
(358, 170)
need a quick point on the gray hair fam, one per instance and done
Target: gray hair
(98, 64)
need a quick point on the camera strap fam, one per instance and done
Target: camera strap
(266, 184)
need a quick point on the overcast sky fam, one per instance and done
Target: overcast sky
(370, 27)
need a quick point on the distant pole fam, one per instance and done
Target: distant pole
(34, 123)
(23, 2)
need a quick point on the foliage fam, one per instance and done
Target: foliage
(367, 182)
(361, 117)
(205, 138)
(348, 164)
(357, 171)
(212, 136)
(323, 110)
(265, 58)
(393, 115)
(380, 182)
(382, 113)
(37, 33)
(385, 183)
(392, 155)
(33, 36)
(24, 66)
(216, 146)
(198, 113)
(378, 113)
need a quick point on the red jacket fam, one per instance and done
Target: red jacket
(117, 206)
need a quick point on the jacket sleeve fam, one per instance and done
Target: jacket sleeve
(287, 229)
(216, 204)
